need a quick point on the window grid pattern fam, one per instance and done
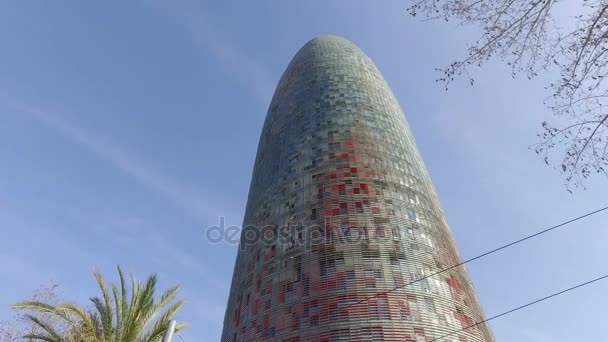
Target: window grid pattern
(336, 153)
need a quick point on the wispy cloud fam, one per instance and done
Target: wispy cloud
(183, 258)
(235, 61)
(193, 203)
(26, 259)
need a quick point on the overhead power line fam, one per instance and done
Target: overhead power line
(478, 257)
(523, 306)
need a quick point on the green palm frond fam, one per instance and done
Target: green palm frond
(51, 334)
(164, 300)
(122, 315)
(105, 309)
(161, 324)
(89, 322)
(118, 312)
(43, 308)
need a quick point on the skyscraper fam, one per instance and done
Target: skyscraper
(341, 209)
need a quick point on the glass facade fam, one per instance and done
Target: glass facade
(341, 209)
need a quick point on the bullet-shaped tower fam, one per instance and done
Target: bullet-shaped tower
(341, 209)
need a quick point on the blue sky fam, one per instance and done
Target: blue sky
(127, 127)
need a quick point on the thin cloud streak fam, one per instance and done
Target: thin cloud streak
(178, 258)
(235, 61)
(192, 203)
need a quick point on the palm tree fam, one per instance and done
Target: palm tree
(112, 318)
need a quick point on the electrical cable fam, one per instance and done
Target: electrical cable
(478, 257)
(523, 306)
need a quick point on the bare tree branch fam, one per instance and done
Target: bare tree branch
(524, 34)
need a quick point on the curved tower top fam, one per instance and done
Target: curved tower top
(342, 215)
